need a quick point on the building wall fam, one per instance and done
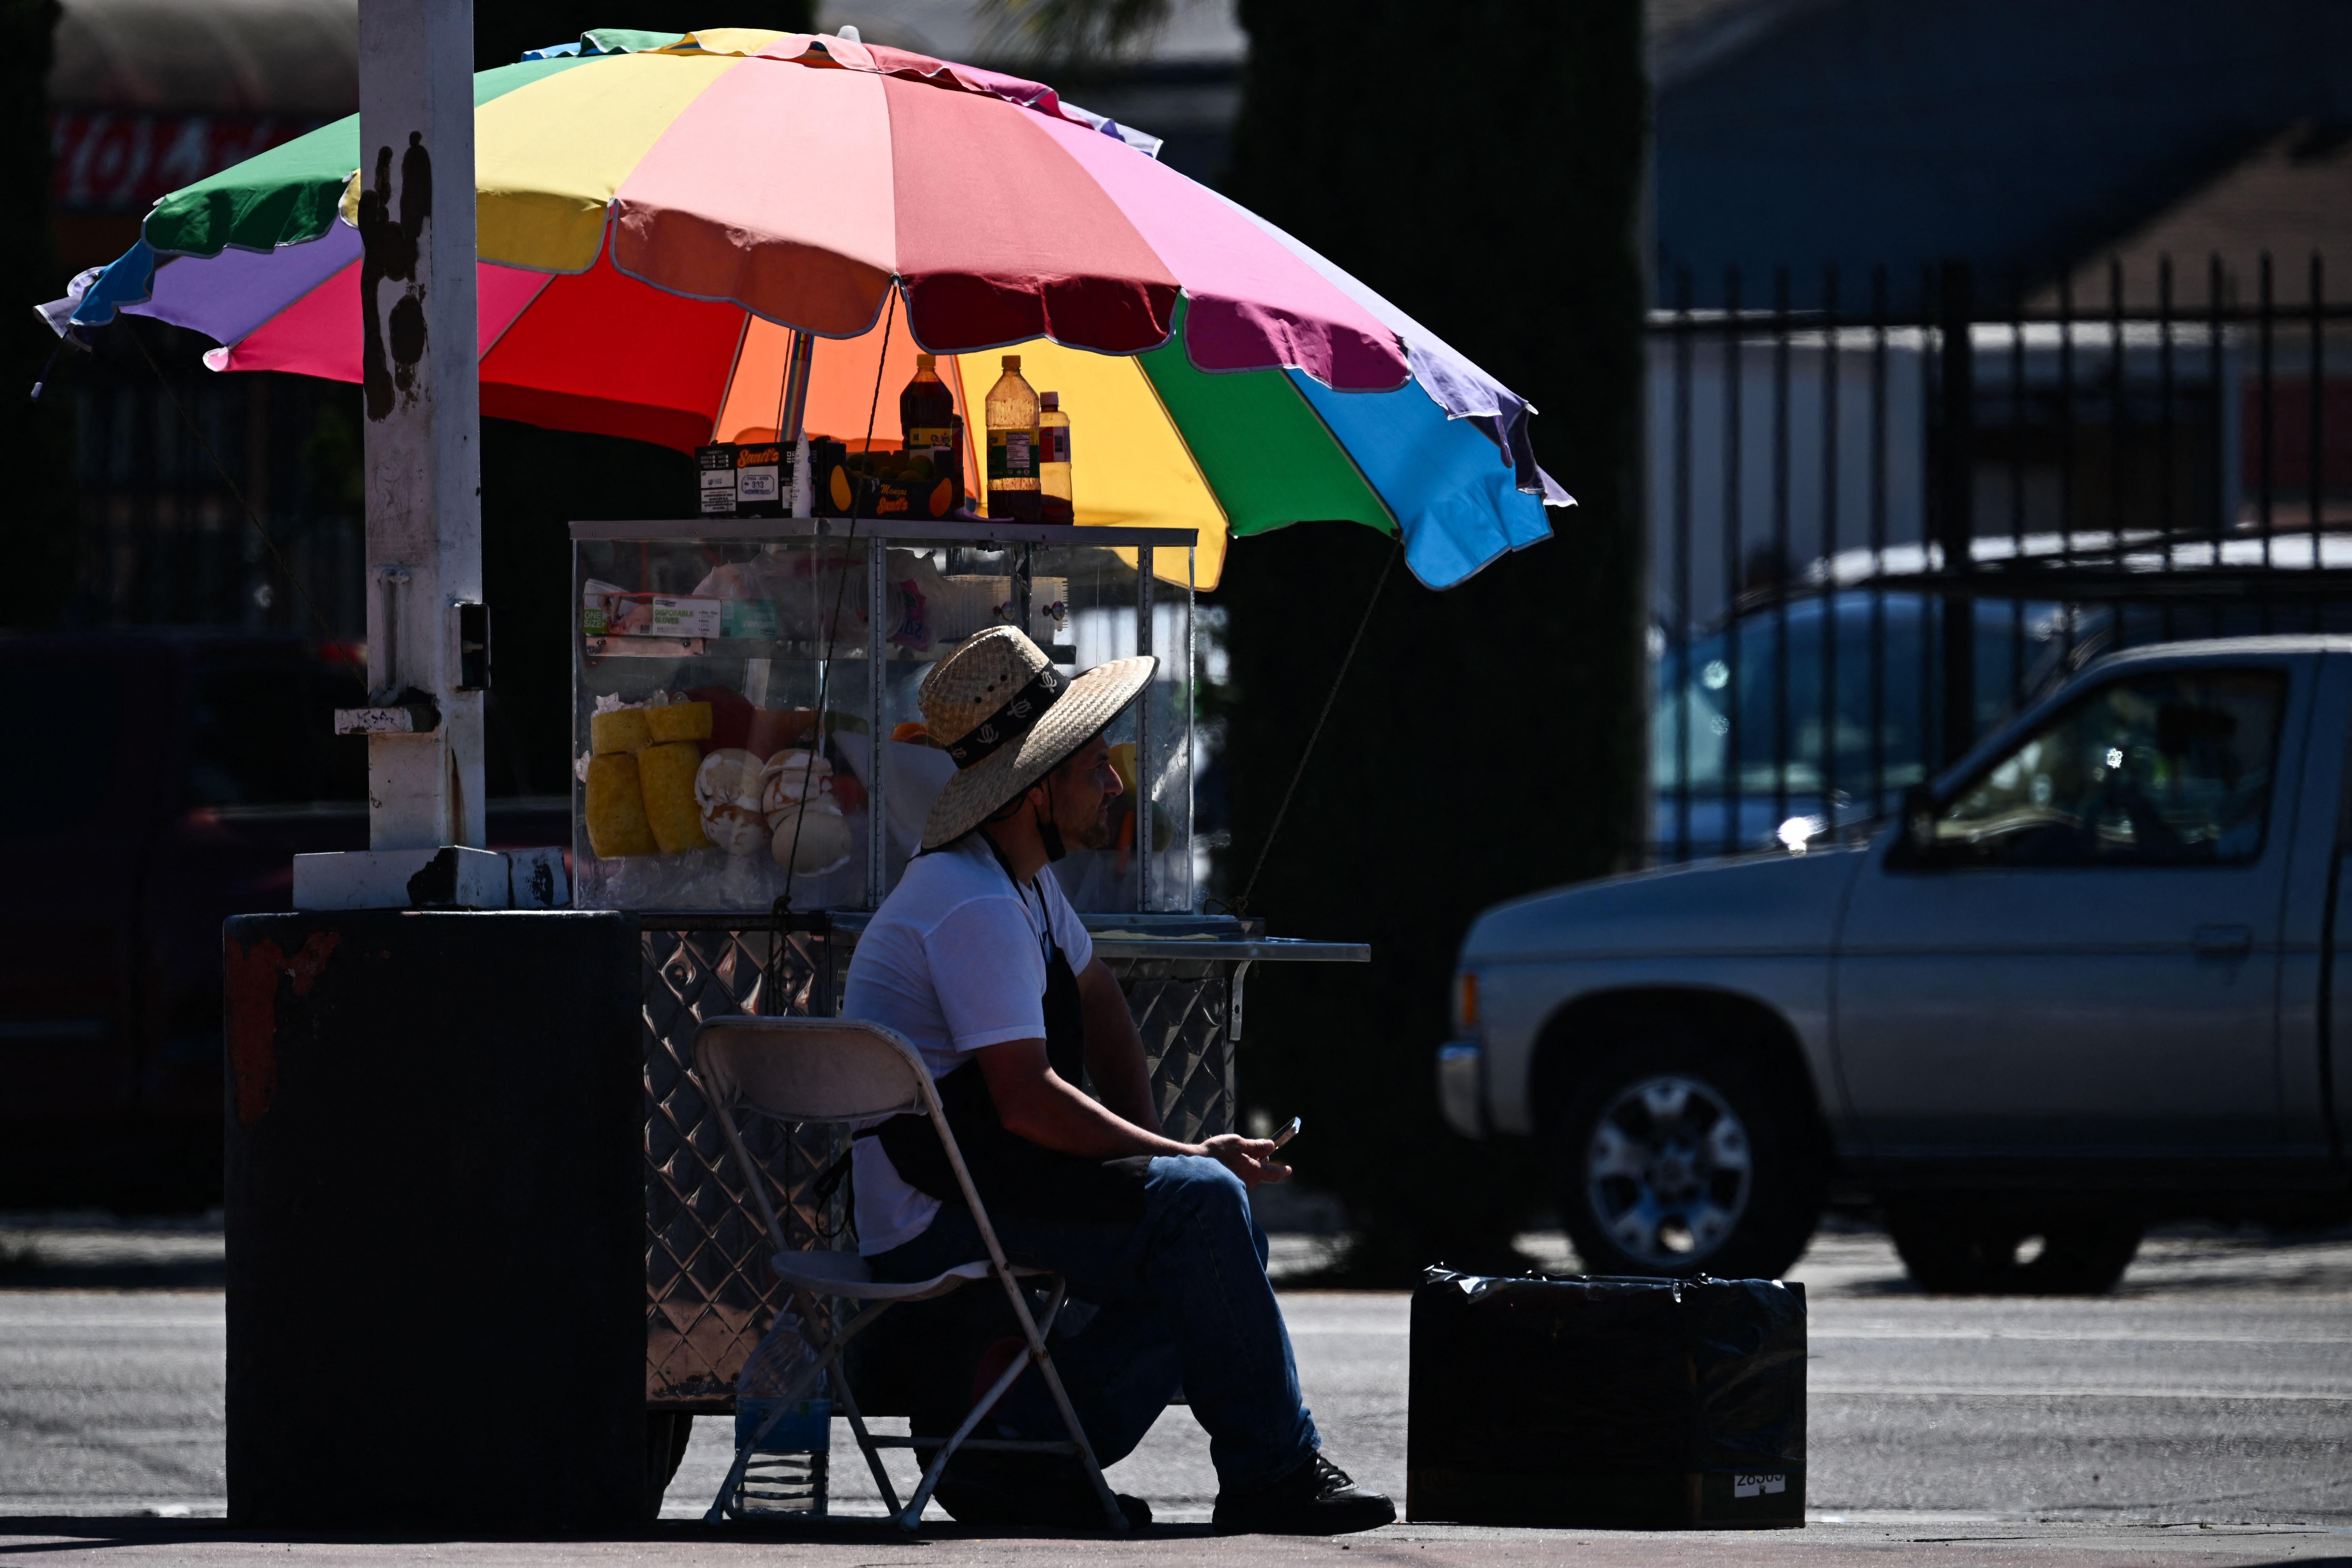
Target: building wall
(2018, 133)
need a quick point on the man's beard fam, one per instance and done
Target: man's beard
(1095, 835)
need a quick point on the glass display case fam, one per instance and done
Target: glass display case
(745, 719)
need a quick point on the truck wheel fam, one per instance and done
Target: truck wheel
(1964, 1251)
(1676, 1159)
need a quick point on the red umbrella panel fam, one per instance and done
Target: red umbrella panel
(557, 348)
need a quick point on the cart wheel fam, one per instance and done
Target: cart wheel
(1672, 1157)
(1962, 1250)
(667, 1432)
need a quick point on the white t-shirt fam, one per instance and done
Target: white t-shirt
(953, 960)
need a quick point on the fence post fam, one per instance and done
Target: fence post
(1953, 520)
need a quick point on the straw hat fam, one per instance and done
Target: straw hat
(999, 708)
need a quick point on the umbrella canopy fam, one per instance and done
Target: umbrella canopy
(656, 213)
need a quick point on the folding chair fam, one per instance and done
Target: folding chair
(840, 1070)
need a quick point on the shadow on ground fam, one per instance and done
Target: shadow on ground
(865, 1533)
(847, 1543)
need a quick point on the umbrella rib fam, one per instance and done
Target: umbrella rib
(1374, 491)
(743, 335)
(784, 391)
(494, 342)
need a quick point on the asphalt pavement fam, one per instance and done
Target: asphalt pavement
(2201, 1413)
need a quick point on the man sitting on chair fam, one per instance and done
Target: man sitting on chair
(978, 959)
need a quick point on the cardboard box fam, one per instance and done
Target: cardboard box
(745, 479)
(843, 492)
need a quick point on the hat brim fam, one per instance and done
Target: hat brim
(1086, 704)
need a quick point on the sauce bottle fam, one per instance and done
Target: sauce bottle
(927, 416)
(1012, 411)
(1053, 461)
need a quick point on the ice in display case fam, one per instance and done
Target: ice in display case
(745, 703)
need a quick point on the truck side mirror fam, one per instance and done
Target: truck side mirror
(1917, 841)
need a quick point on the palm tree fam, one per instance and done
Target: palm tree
(1074, 33)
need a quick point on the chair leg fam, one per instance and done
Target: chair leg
(829, 1356)
(858, 1427)
(1043, 1360)
(1112, 1514)
(911, 1518)
(830, 1351)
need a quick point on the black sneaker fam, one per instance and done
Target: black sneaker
(1315, 1499)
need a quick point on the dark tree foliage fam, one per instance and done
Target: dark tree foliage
(1073, 36)
(534, 484)
(43, 534)
(503, 29)
(1481, 167)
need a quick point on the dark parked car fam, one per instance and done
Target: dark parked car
(1717, 758)
(159, 782)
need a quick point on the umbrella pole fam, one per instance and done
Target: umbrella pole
(797, 363)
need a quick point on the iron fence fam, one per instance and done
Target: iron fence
(165, 540)
(1875, 534)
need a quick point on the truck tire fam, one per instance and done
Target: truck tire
(1958, 1249)
(1674, 1157)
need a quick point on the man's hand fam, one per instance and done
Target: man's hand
(1252, 1159)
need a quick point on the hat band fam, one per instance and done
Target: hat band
(1008, 724)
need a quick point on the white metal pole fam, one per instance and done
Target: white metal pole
(424, 422)
(428, 632)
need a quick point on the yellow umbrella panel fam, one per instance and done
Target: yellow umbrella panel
(1128, 468)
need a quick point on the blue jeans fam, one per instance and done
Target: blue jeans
(1183, 1302)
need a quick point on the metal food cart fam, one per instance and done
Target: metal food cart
(811, 634)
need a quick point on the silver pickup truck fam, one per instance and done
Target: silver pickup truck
(2086, 981)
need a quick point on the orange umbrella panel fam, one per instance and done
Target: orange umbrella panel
(852, 394)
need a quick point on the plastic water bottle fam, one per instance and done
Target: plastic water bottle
(785, 1472)
(1011, 409)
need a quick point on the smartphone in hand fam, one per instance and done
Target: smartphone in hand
(1290, 1131)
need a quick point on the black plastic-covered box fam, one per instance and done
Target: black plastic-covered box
(435, 1217)
(1611, 1403)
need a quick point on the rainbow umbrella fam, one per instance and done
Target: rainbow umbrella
(658, 214)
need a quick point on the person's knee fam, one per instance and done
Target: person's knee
(1206, 1186)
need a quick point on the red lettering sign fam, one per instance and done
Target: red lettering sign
(111, 162)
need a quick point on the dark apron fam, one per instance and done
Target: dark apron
(1012, 1175)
